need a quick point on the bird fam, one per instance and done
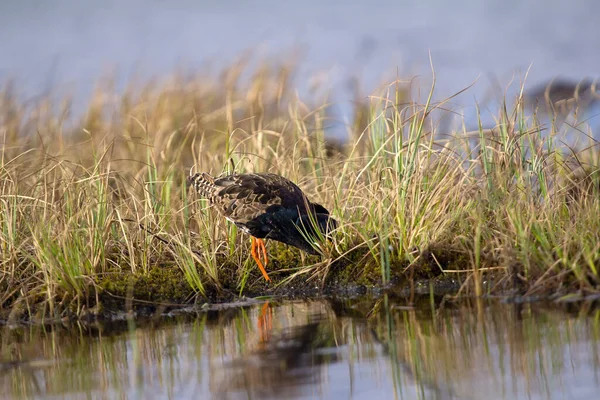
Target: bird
(266, 206)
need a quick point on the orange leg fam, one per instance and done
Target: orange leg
(258, 246)
(263, 249)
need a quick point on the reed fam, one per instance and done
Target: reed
(93, 206)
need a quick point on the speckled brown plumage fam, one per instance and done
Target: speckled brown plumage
(242, 198)
(265, 206)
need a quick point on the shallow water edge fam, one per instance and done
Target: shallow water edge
(427, 347)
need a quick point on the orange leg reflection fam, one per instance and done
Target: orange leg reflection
(265, 322)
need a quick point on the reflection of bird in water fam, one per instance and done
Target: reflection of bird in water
(265, 322)
(266, 206)
(282, 364)
(563, 96)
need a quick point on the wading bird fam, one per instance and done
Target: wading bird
(266, 206)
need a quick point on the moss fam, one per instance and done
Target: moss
(438, 257)
(159, 285)
(165, 284)
(358, 267)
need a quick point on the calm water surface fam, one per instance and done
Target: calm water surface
(360, 349)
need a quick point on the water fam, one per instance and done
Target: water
(327, 349)
(69, 44)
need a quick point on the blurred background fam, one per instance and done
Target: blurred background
(67, 45)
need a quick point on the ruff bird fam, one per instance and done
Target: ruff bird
(266, 206)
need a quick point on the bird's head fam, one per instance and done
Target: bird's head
(317, 226)
(300, 229)
(326, 223)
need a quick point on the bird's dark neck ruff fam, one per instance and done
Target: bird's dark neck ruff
(292, 227)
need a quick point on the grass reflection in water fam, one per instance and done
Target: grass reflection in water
(357, 349)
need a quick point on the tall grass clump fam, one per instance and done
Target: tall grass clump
(95, 209)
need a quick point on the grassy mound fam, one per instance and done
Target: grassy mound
(96, 208)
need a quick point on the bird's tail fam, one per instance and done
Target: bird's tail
(203, 184)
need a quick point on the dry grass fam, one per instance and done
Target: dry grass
(95, 204)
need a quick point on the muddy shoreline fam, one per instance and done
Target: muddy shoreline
(115, 311)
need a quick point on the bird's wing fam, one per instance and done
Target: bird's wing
(241, 198)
